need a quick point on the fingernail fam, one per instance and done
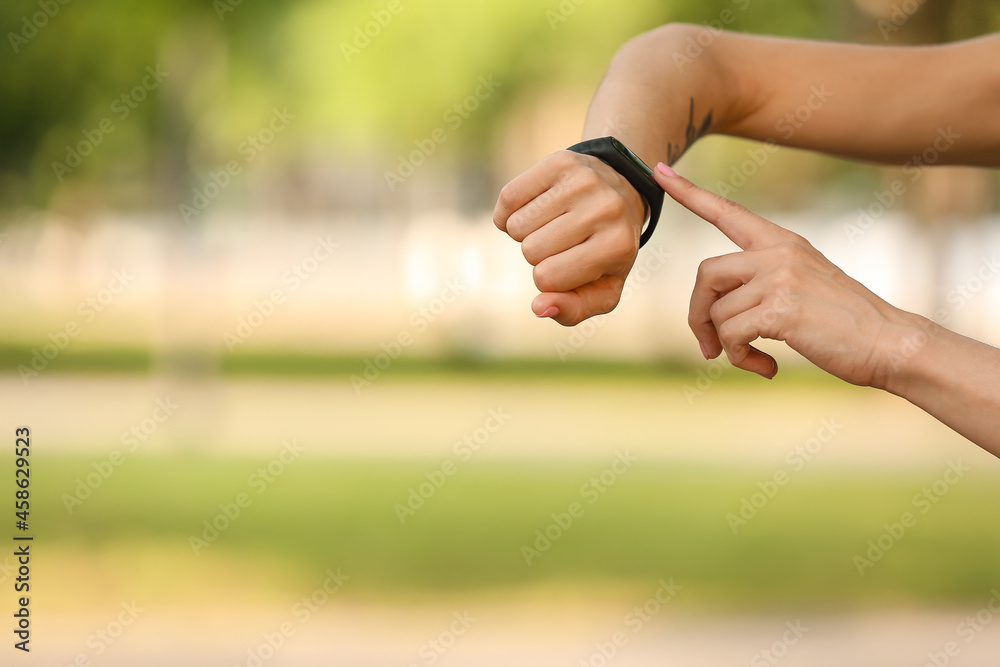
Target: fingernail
(704, 352)
(551, 311)
(665, 170)
(774, 369)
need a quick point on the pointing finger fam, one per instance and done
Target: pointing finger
(747, 230)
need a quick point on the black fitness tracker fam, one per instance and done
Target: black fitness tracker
(635, 171)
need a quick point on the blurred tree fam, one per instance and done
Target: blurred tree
(364, 79)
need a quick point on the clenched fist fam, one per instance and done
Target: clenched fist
(578, 222)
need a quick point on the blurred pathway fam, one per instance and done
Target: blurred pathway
(542, 635)
(754, 422)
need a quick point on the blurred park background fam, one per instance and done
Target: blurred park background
(290, 406)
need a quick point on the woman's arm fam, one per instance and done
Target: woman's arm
(879, 103)
(780, 287)
(578, 221)
(954, 378)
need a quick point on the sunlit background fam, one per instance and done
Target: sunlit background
(290, 406)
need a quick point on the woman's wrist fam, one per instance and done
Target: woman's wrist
(903, 360)
(950, 376)
(659, 95)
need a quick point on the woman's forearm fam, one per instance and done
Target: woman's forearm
(917, 105)
(954, 378)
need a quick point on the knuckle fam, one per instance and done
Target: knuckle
(785, 275)
(739, 355)
(612, 205)
(705, 269)
(507, 194)
(505, 202)
(516, 226)
(713, 311)
(565, 159)
(530, 248)
(584, 179)
(610, 304)
(544, 277)
(733, 354)
(730, 209)
(788, 252)
(728, 333)
(498, 220)
(572, 319)
(613, 298)
(623, 243)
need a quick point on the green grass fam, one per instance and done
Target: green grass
(655, 521)
(291, 363)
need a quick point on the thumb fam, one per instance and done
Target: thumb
(570, 308)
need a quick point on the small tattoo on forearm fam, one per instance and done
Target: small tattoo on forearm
(691, 134)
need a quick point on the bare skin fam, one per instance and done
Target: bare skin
(579, 221)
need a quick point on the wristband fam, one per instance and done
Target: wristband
(617, 156)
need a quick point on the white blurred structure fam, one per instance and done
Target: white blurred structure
(433, 285)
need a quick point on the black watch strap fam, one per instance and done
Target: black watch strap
(635, 171)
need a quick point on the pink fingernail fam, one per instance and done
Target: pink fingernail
(551, 311)
(703, 350)
(665, 170)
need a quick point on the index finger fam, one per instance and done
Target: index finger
(529, 185)
(744, 228)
